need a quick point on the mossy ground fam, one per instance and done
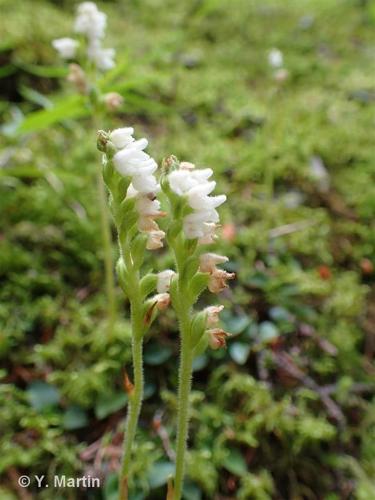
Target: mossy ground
(287, 411)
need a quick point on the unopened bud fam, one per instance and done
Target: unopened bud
(113, 101)
(77, 77)
(213, 314)
(217, 338)
(155, 240)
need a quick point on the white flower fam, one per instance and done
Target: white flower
(90, 21)
(132, 161)
(275, 58)
(121, 137)
(66, 47)
(194, 184)
(102, 58)
(164, 280)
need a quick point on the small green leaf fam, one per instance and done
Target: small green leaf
(42, 395)
(74, 418)
(235, 463)
(156, 354)
(239, 352)
(267, 331)
(159, 473)
(237, 324)
(109, 403)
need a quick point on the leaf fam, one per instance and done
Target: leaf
(68, 108)
(239, 352)
(191, 491)
(35, 97)
(160, 473)
(236, 324)
(200, 362)
(74, 418)
(235, 463)
(156, 354)
(109, 403)
(267, 331)
(42, 395)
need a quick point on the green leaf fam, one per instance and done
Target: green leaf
(42, 395)
(267, 331)
(156, 354)
(74, 418)
(236, 324)
(239, 352)
(200, 362)
(235, 463)
(109, 403)
(73, 107)
(159, 473)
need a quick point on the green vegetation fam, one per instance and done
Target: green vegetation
(288, 410)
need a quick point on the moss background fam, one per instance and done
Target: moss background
(288, 410)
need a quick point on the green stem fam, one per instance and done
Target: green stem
(136, 396)
(108, 258)
(185, 377)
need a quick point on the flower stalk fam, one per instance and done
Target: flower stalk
(128, 174)
(194, 224)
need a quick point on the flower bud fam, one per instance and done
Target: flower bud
(213, 315)
(77, 77)
(155, 240)
(164, 280)
(162, 300)
(217, 338)
(113, 101)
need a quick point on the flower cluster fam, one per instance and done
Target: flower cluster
(130, 160)
(91, 23)
(193, 184)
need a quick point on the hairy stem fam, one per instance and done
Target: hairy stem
(108, 258)
(185, 376)
(135, 396)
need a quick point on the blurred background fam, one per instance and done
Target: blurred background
(277, 96)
